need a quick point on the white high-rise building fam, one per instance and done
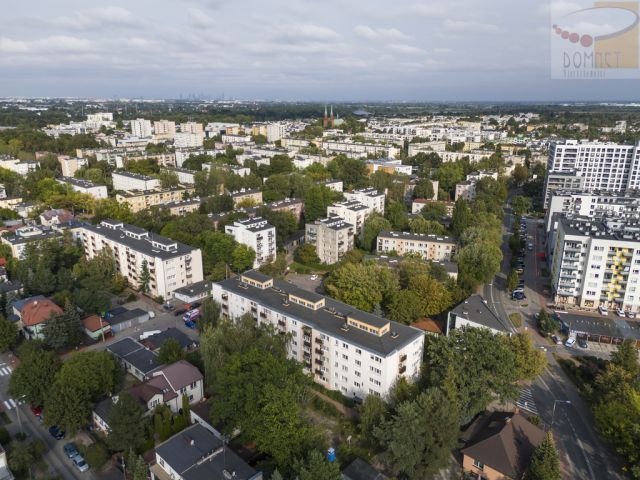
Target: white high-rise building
(188, 140)
(192, 127)
(343, 348)
(141, 128)
(258, 234)
(369, 197)
(164, 129)
(354, 213)
(275, 132)
(592, 166)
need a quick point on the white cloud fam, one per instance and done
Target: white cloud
(200, 19)
(53, 44)
(94, 18)
(369, 33)
(461, 26)
(406, 49)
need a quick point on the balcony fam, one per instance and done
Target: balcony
(319, 341)
(403, 358)
(319, 372)
(282, 323)
(319, 351)
(318, 362)
(402, 369)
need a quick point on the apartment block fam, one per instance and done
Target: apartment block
(594, 166)
(258, 234)
(192, 127)
(467, 189)
(84, 186)
(188, 140)
(369, 197)
(23, 236)
(393, 167)
(360, 150)
(139, 200)
(343, 348)
(141, 128)
(18, 166)
(70, 165)
(164, 129)
(597, 262)
(332, 237)
(352, 212)
(133, 181)
(246, 196)
(171, 264)
(428, 246)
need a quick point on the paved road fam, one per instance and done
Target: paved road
(584, 456)
(59, 464)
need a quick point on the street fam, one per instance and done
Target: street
(583, 453)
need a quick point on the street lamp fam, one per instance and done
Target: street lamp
(555, 402)
(18, 411)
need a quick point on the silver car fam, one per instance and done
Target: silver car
(79, 463)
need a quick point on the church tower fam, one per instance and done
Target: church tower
(332, 119)
(325, 121)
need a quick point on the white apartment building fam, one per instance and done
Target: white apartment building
(236, 139)
(597, 262)
(133, 181)
(192, 127)
(188, 140)
(429, 246)
(352, 212)
(369, 197)
(335, 185)
(598, 166)
(594, 204)
(275, 132)
(70, 165)
(164, 129)
(332, 237)
(467, 189)
(84, 186)
(23, 236)
(345, 349)
(258, 234)
(18, 166)
(171, 265)
(360, 150)
(141, 128)
(389, 166)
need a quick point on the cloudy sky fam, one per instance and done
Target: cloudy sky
(287, 50)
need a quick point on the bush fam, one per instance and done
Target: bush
(96, 455)
(516, 319)
(159, 299)
(132, 297)
(5, 438)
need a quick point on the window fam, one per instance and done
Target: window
(345, 357)
(478, 464)
(358, 351)
(358, 362)
(376, 370)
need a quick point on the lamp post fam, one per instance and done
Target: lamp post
(555, 402)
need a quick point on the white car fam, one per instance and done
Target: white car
(314, 277)
(620, 312)
(80, 464)
(570, 342)
(630, 314)
(603, 310)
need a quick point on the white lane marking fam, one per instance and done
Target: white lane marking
(7, 405)
(12, 402)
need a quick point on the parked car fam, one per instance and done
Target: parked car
(603, 310)
(80, 464)
(530, 247)
(519, 270)
(168, 307)
(620, 312)
(314, 277)
(56, 433)
(630, 314)
(37, 410)
(583, 343)
(190, 324)
(70, 449)
(557, 340)
(570, 341)
(191, 315)
(179, 312)
(518, 296)
(195, 305)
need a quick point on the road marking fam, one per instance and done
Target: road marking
(526, 401)
(5, 371)
(575, 434)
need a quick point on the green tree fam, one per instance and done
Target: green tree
(209, 313)
(96, 455)
(362, 285)
(8, 333)
(626, 357)
(170, 352)
(316, 467)
(64, 330)
(373, 225)
(82, 380)
(33, 376)
(529, 361)
(423, 189)
(351, 171)
(127, 424)
(405, 307)
(373, 412)
(145, 277)
(306, 254)
(396, 213)
(462, 217)
(512, 280)
(545, 462)
(24, 455)
(546, 325)
(421, 225)
(434, 297)
(419, 437)
(242, 258)
(316, 200)
(434, 211)
(519, 175)
(483, 368)
(521, 205)
(478, 263)
(168, 179)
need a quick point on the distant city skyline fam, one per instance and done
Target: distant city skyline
(460, 50)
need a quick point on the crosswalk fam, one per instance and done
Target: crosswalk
(5, 370)
(11, 404)
(526, 402)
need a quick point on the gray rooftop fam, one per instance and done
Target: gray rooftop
(78, 182)
(476, 310)
(197, 288)
(330, 319)
(135, 354)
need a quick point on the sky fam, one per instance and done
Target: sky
(289, 50)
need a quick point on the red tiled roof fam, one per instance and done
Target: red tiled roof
(39, 311)
(93, 323)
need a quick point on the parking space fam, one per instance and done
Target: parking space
(310, 283)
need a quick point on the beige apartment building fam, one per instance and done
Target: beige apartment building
(429, 246)
(332, 237)
(139, 200)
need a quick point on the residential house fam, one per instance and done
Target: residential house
(33, 316)
(95, 327)
(475, 312)
(134, 357)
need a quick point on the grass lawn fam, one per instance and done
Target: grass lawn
(516, 319)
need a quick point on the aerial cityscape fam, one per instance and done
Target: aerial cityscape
(262, 241)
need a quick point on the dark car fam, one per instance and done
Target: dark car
(190, 324)
(168, 307)
(583, 343)
(70, 449)
(56, 433)
(179, 311)
(195, 305)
